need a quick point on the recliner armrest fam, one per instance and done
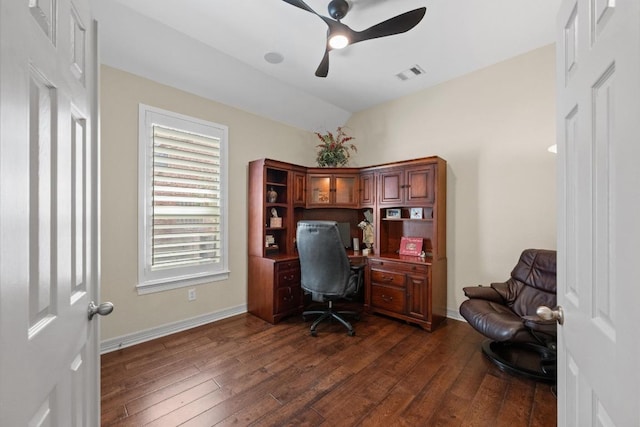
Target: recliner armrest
(538, 324)
(483, 292)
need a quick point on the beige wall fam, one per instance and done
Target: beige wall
(250, 137)
(493, 127)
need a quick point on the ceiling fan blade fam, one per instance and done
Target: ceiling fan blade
(302, 5)
(396, 25)
(323, 68)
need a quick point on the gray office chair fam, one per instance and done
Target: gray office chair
(325, 270)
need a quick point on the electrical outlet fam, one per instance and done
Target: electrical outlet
(191, 294)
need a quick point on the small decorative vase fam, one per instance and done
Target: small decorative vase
(272, 195)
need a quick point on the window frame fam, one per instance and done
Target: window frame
(149, 280)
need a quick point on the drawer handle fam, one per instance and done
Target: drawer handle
(387, 278)
(386, 298)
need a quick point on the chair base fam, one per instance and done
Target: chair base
(531, 360)
(330, 315)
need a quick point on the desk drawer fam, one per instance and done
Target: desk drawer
(416, 268)
(288, 278)
(387, 298)
(287, 265)
(287, 298)
(386, 277)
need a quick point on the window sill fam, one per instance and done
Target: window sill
(177, 283)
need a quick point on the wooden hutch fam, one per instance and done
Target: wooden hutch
(411, 288)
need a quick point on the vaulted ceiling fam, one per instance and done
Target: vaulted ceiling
(217, 48)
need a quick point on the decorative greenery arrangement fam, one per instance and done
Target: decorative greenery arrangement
(334, 150)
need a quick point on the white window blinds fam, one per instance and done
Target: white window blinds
(182, 209)
(186, 199)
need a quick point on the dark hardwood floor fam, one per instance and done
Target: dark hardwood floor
(244, 371)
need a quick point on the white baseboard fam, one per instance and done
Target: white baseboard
(455, 314)
(128, 340)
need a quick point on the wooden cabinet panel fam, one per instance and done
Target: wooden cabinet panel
(417, 296)
(391, 187)
(299, 187)
(367, 189)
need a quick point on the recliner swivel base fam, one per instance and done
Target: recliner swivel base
(531, 360)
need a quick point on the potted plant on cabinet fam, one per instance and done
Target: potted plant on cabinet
(334, 150)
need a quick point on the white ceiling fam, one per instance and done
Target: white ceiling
(216, 48)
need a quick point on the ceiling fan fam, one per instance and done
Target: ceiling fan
(339, 35)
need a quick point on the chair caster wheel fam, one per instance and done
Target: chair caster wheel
(314, 333)
(351, 333)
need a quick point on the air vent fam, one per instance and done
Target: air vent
(410, 73)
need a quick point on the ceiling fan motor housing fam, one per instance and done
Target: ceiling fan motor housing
(338, 9)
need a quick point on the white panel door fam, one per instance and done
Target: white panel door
(598, 63)
(48, 214)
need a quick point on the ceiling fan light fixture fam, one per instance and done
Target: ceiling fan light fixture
(339, 41)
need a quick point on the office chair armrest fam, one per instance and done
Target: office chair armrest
(483, 292)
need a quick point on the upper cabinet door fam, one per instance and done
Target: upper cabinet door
(332, 190)
(419, 187)
(299, 188)
(367, 189)
(410, 186)
(319, 190)
(345, 190)
(391, 187)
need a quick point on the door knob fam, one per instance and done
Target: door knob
(102, 309)
(548, 314)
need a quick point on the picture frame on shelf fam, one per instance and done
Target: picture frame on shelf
(269, 240)
(415, 213)
(393, 213)
(410, 246)
(275, 222)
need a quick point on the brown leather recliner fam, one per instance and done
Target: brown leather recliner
(519, 341)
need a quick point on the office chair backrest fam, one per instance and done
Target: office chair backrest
(324, 265)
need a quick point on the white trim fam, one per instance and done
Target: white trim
(160, 285)
(129, 340)
(455, 314)
(149, 280)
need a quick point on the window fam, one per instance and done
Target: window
(183, 209)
